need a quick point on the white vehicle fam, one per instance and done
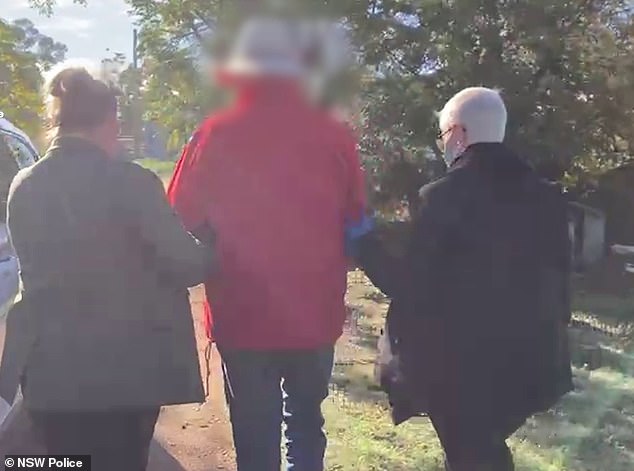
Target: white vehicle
(16, 152)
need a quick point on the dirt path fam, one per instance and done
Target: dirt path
(187, 438)
(195, 438)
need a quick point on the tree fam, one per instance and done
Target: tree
(174, 36)
(20, 82)
(46, 50)
(565, 69)
(174, 94)
(174, 83)
(46, 6)
(24, 53)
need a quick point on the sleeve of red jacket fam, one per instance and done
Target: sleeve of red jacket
(185, 193)
(185, 189)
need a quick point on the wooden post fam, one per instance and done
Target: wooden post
(136, 108)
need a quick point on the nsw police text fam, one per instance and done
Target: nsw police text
(14, 462)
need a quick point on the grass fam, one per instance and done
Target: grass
(362, 437)
(611, 308)
(592, 429)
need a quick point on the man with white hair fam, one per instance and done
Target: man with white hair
(480, 300)
(484, 111)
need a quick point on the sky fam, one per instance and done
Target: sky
(88, 32)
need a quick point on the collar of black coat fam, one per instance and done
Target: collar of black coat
(75, 145)
(492, 157)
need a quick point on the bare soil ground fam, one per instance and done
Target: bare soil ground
(195, 437)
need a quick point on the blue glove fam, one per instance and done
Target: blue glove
(355, 231)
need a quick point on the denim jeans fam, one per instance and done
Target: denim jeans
(266, 389)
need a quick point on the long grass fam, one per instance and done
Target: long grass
(592, 429)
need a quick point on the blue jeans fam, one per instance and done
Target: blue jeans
(265, 389)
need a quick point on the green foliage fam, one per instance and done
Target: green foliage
(566, 70)
(46, 6)
(20, 81)
(127, 80)
(24, 53)
(176, 95)
(175, 88)
(29, 39)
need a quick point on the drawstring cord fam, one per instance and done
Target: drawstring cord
(207, 354)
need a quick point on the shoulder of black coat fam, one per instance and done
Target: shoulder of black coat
(443, 187)
(135, 173)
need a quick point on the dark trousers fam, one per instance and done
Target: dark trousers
(265, 389)
(473, 444)
(115, 440)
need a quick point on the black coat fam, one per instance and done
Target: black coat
(105, 265)
(480, 298)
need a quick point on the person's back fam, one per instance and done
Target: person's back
(74, 211)
(105, 265)
(279, 181)
(481, 299)
(501, 282)
(96, 277)
(279, 186)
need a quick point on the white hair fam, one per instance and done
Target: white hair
(481, 111)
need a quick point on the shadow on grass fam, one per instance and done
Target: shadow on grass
(592, 429)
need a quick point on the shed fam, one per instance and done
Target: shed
(587, 229)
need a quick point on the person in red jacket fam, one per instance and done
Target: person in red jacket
(280, 182)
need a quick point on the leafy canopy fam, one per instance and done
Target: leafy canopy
(565, 69)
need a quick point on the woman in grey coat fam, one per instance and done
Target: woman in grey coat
(105, 266)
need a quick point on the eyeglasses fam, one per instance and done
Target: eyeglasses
(440, 142)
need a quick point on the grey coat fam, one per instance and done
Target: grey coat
(105, 265)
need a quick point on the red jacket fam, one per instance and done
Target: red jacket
(278, 180)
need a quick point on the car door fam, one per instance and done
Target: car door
(15, 153)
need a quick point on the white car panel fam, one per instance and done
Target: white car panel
(9, 275)
(25, 155)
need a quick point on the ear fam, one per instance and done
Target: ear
(460, 137)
